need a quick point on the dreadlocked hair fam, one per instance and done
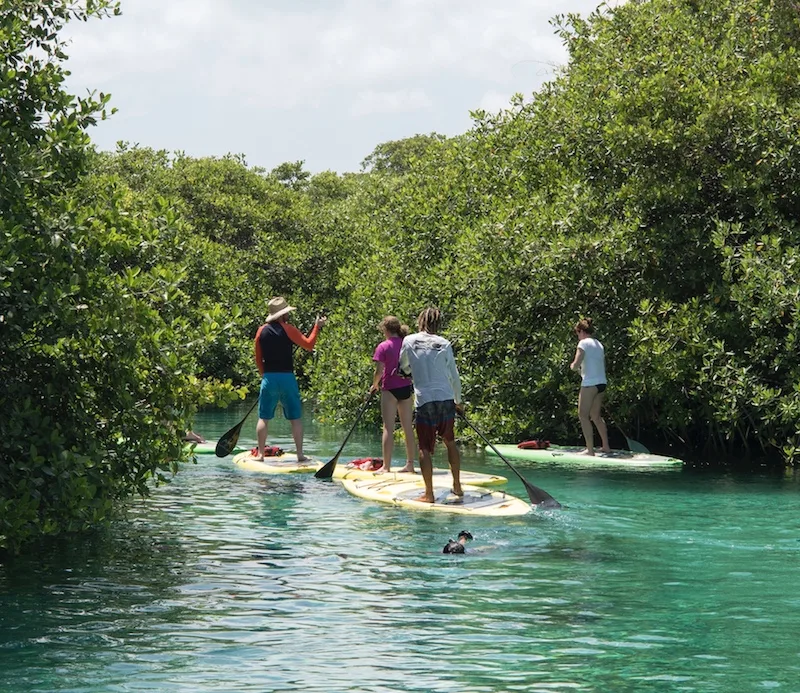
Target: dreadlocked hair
(430, 320)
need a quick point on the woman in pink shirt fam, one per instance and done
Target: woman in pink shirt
(395, 391)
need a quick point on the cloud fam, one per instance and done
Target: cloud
(402, 101)
(205, 71)
(494, 101)
(319, 47)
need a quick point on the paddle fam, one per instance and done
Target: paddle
(538, 497)
(633, 445)
(326, 471)
(227, 443)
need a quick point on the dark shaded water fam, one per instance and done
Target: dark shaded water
(230, 581)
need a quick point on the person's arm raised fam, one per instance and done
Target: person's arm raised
(300, 339)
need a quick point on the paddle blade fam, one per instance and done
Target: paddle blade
(538, 497)
(326, 470)
(633, 445)
(636, 446)
(227, 443)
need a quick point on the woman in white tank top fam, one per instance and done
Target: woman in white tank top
(590, 358)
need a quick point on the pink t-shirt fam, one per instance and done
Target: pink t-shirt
(388, 353)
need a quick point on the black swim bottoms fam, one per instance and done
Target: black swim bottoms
(401, 393)
(600, 388)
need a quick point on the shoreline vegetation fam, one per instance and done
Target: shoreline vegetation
(653, 184)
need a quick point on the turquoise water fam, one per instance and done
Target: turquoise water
(230, 581)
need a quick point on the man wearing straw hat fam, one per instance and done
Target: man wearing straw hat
(274, 351)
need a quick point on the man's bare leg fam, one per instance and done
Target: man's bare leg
(261, 435)
(454, 459)
(426, 467)
(297, 435)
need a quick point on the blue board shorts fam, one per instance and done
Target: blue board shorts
(279, 387)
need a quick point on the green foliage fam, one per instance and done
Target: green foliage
(398, 156)
(97, 363)
(654, 186)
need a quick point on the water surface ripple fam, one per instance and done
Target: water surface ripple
(230, 581)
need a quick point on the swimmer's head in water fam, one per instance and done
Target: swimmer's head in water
(464, 533)
(453, 547)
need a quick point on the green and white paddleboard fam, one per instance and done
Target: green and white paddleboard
(571, 456)
(209, 448)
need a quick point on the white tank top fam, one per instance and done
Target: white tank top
(593, 366)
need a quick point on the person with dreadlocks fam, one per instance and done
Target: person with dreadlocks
(428, 358)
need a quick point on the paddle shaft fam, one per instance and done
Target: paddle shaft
(326, 471)
(537, 496)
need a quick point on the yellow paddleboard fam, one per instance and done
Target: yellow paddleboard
(281, 464)
(476, 500)
(441, 477)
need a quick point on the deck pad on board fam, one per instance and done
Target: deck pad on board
(476, 500)
(440, 476)
(559, 454)
(280, 464)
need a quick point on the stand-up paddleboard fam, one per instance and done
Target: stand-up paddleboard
(476, 500)
(558, 454)
(441, 477)
(208, 448)
(279, 464)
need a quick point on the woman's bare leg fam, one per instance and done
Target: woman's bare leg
(599, 421)
(585, 399)
(388, 414)
(406, 409)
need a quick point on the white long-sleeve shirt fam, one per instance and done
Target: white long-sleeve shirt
(429, 358)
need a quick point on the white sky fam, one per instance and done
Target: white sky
(320, 80)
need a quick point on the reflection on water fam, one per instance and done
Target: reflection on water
(230, 581)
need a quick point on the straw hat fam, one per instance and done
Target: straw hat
(278, 308)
